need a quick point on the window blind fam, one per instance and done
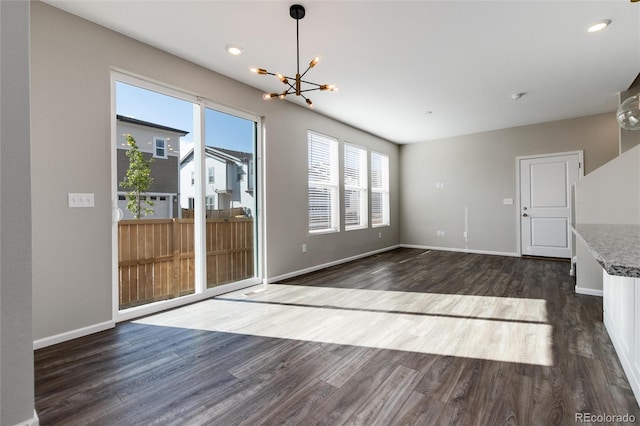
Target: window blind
(323, 183)
(355, 187)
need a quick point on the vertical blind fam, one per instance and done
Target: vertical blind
(379, 189)
(323, 182)
(355, 187)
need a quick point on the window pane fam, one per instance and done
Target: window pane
(159, 233)
(355, 187)
(379, 189)
(322, 182)
(231, 204)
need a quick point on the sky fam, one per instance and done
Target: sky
(221, 130)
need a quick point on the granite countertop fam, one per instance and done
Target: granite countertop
(615, 247)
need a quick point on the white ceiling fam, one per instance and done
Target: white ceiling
(395, 60)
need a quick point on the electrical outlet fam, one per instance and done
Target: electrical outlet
(304, 248)
(440, 233)
(379, 234)
(464, 234)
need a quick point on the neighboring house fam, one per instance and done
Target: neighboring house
(161, 143)
(229, 180)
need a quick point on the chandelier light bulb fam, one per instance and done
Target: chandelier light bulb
(314, 62)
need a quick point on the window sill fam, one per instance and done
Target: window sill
(324, 231)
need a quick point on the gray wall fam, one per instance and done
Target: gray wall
(478, 172)
(72, 277)
(16, 341)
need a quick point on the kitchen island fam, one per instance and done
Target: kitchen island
(617, 250)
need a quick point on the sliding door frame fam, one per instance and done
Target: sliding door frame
(201, 290)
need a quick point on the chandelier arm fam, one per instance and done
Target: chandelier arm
(307, 70)
(310, 82)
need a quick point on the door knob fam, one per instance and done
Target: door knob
(525, 215)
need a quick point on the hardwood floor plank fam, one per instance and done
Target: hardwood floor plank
(382, 406)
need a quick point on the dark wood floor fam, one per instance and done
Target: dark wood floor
(139, 374)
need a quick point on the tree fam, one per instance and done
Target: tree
(137, 181)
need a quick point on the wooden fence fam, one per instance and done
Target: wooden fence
(156, 257)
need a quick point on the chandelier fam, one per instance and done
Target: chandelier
(295, 85)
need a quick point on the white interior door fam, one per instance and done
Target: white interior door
(545, 203)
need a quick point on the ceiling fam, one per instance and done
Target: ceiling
(396, 61)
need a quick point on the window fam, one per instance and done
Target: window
(210, 203)
(211, 175)
(160, 148)
(355, 187)
(250, 181)
(323, 183)
(379, 189)
(193, 178)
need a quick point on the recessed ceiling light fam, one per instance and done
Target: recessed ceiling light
(599, 26)
(234, 49)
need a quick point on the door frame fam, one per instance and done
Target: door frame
(580, 154)
(124, 76)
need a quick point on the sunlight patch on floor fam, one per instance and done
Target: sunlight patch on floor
(484, 327)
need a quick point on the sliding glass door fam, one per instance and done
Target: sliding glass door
(230, 194)
(185, 196)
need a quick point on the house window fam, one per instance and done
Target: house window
(211, 203)
(322, 158)
(250, 181)
(379, 189)
(240, 174)
(193, 178)
(355, 187)
(211, 175)
(160, 147)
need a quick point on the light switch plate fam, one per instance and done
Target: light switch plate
(507, 201)
(81, 199)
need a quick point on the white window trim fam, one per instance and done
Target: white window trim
(384, 190)
(362, 188)
(211, 175)
(333, 187)
(157, 139)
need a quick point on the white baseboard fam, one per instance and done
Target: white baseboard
(588, 291)
(270, 280)
(33, 421)
(460, 250)
(73, 334)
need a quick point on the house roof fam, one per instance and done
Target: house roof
(221, 154)
(131, 120)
